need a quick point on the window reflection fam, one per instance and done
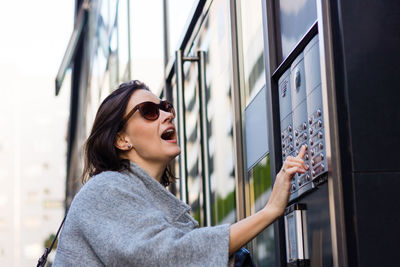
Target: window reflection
(213, 38)
(178, 15)
(253, 47)
(260, 190)
(296, 17)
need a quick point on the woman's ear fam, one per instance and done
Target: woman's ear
(122, 142)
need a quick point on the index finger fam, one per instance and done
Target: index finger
(302, 152)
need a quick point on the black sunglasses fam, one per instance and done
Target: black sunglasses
(150, 110)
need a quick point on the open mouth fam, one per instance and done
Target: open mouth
(169, 135)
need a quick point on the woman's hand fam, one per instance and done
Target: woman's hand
(281, 190)
(245, 230)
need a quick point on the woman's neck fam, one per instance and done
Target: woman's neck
(154, 169)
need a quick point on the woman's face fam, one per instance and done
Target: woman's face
(145, 136)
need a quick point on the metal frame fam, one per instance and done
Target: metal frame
(181, 124)
(336, 209)
(80, 24)
(242, 195)
(193, 26)
(271, 63)
(201, 91)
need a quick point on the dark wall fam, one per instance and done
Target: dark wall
(366, 40)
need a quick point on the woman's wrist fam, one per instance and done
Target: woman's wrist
(272, 212)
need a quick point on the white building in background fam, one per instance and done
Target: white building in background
(33, 127)
(32, 168)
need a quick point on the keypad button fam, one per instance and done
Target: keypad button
(320, 135)
(296, 133)
(319, 113)
(322, 156)
(306, 157)
(304, 125)
(304, 135)
(310, 121)
(321, 146)
(319, 123)
(310, 131)
(289, 128)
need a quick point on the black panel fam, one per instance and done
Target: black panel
(371, 55)
(318, 226)
(378, 218)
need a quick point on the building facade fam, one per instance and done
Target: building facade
(252, 81)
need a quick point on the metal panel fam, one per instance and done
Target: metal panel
(256, 129)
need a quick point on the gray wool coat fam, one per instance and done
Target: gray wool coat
(129, 219)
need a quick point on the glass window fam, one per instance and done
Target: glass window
(214, 39)
(193, 145)
(179, 14)
(253, 47)
(146, 40)
(296, 18)
(259, 179)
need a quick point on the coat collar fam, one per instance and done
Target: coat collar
(160, 196)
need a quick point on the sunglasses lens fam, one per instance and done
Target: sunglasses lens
(149, 110)
(166, 106)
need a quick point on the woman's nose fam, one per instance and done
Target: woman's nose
(166, 116)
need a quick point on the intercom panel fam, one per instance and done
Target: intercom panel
(286, 120)
(300, 127)
(317, 146)
(301, 117)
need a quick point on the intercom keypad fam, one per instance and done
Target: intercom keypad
(301, 116)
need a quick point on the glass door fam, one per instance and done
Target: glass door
(206, 120)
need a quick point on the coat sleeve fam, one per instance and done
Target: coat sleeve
(123, 229)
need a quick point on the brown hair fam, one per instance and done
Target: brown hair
(100, 153)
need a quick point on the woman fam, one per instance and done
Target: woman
(124, 216)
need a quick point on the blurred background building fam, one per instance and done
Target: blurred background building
(33, 127)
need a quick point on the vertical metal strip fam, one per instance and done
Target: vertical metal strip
(201, 55)
(242, 206)
(271, 51)
(181, 124)
(338, 235)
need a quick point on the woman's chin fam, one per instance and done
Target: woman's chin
(177, 152)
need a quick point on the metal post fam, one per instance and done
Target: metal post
(201, 55)
(181, 124)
